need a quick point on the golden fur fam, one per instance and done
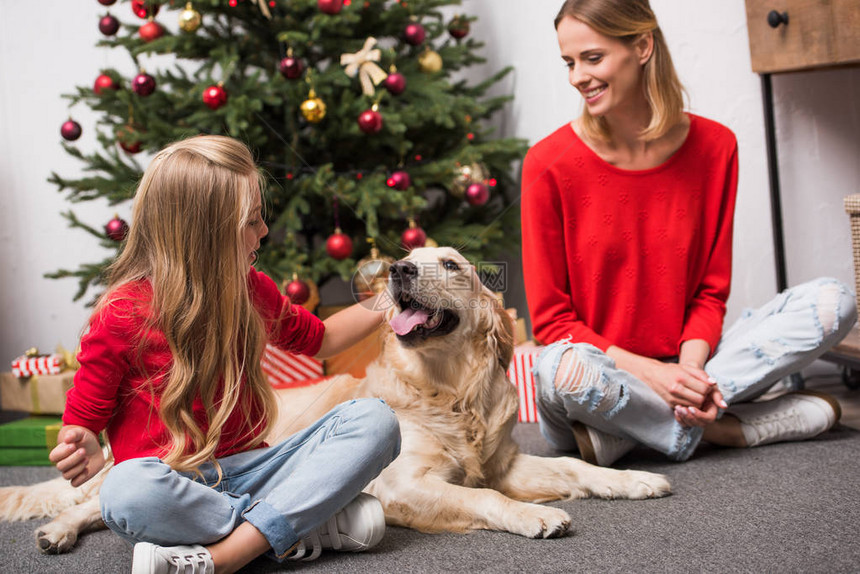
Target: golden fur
(459, 468)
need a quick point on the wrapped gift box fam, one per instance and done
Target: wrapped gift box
(38, 394)
(27, 365)
(286, 369)
(520, 373)
(27, 442)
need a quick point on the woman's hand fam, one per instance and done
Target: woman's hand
(706, 414)
(678, 385)
(78, 454)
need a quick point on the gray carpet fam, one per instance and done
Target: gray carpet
(780, 508)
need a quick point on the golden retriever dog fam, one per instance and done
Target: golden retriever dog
(443, 370)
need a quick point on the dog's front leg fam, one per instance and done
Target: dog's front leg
(540, 479)
(59, 535)
(430, 504)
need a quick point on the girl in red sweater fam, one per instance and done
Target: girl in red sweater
(627, 244)
(170, 368)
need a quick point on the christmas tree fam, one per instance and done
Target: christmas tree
(361, 114)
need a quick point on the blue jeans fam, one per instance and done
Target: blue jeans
(285, 491)
(760, 348)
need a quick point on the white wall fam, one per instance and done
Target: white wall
(817, 116)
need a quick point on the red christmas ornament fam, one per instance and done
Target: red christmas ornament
(413, 237)
(104, 82)
(291, 67)
(215, 96)
(150, 31)
(370, 121)
(399, 180)
(108, 25)
(338, 245)
(144, 8)
(107, 2)
(70, 130)
(395, 83)
(298, 291)
(127, 138)
(330, 6)
(459, 27)
(143, 84)
(414, 33)
(477, 194)
(116, 228)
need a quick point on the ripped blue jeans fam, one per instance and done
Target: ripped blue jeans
(760, 348)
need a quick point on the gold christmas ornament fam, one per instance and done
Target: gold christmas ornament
(429, 61)
(189, 19)
(466, 176)
(430, 242)
(313, 108)
(371, 274)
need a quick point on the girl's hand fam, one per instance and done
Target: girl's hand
(679, 385)
(78, 454)
(693, 417)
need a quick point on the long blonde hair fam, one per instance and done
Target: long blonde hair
(186, 239)
(627, 20)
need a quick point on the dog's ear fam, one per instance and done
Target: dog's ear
(499, 328)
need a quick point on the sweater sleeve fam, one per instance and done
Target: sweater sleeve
(290, 327)
(104, 361)
(705, 313)
(545, 259)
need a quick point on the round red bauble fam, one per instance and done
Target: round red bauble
(107, 2)
(395, 83)
(339, 245)
(215, 96)
(70, 130)
(477, 194)
(298, 292)
(370, 121)
(291, 67)
(127, 139)
(412, 238)
(144, 8)
(459, 27)
(150, 31)
(330, 6)
(414, 33)
(104, 82)
(143, 84)
(399, 180)
(116, 228)
(108, 25)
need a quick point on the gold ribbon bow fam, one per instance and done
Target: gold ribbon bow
(364, 64)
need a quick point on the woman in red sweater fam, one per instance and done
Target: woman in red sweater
(627, 244)
(170, 368)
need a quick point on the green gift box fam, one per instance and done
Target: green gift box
(28, 441)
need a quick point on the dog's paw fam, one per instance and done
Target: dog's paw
(544, 522)
(55, 540)
(647, 484)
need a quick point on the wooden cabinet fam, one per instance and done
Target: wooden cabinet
(792, 35)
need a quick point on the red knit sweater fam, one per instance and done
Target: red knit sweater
(111, 391)
(637, 259)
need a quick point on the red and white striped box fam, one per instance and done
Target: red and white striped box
(27, 366)
(286, 369)
(520, 373)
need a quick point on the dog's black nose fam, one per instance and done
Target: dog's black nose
(403, 270)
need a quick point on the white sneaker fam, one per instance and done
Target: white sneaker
(356, 528)
(153, 559)
(598, 447)
(793, 416)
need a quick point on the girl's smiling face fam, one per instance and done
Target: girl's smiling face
(254, 230)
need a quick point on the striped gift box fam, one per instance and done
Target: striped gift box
(520, 373)
(285, 369)
(27, 366)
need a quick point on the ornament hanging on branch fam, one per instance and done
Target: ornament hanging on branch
(297, 290)
(128, 140)
(291, 67)
(477, 194)
(413, 237)
(371, 274)
(116, 228)
(459, 27)
(399, 180)
(429, 61)
(330, 6)
(107, 2)
(370, 121)
(364, 64)
(108, 25)
(144, 8)
(150, 31)
(189, 19)
(70, 130)
(215, 96)
(414, 34)
(466, 176)
(395, 83)
(143, 84)
(313, 108)
(104, 82)
(338, 245)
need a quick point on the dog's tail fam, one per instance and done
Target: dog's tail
(47, 499)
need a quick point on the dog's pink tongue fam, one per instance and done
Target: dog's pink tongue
(407, 320)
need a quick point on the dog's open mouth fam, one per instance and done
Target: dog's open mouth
(416, 322)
